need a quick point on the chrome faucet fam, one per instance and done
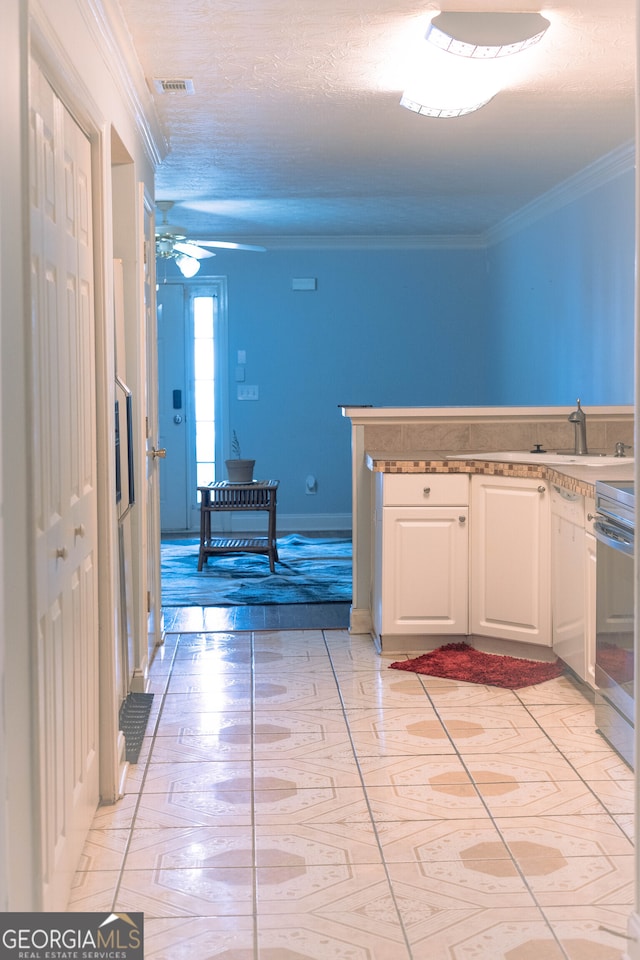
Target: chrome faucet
(579, 420)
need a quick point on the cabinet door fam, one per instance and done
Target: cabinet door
(568, 593)
(510, 579)
(424, 576)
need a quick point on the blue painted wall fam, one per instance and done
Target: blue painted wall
(385, 327)
(562, 303)
(539, 318)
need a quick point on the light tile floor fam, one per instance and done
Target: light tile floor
(297, 800)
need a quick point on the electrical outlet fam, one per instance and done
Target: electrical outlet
(248, 391)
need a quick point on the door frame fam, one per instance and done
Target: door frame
(217, 287)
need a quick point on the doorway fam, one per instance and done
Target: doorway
(192, 395)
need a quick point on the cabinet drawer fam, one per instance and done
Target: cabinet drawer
(425, 489)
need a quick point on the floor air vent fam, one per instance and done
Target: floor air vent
(134, 714)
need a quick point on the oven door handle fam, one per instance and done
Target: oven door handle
(614, 537)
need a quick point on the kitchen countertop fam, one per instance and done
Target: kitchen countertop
(577, 479)
(369, 412)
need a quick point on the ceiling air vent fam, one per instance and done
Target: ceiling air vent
(172, 85)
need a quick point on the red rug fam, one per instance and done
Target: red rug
(459, 661)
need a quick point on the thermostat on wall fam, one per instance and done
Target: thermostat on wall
(304, 283)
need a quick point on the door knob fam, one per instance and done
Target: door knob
(177, 418)
(158, 454)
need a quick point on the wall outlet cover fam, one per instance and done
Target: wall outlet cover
(248, 391)
(304, 283)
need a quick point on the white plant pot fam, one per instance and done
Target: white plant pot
(240, 471)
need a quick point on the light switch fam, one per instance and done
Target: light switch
(242, 356)
(240, 373)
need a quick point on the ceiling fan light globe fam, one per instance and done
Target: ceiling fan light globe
(188, 266)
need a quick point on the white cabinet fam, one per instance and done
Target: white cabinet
(568, 579)
(573, 581)
(510, 575)
(508, 558)
(421, 569)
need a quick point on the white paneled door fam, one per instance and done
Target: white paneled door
(64, 487)
(174, 407)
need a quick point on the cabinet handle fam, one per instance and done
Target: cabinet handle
(591, 516)
(542, 489)
(462, 519)
(61, 553)
(426, 491)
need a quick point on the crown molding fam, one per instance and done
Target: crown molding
(105, 21)
(598, 173)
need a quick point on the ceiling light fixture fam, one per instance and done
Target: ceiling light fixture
(461, 66)
(188, 266)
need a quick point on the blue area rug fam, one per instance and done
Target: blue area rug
(309, 570)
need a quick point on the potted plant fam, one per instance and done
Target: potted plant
(239, 470)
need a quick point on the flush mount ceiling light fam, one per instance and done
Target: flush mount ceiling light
(461, 66)
(483, 36)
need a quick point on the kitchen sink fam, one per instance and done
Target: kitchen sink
(524, 456)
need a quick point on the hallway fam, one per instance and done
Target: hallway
(297, 800)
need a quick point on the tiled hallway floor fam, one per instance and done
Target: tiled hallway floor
(297, 800)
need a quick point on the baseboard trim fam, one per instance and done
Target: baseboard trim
(239, 522)
(123, 766)
(360, 620)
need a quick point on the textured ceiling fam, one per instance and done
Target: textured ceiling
(295, 129)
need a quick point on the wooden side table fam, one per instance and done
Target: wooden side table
(222, 495)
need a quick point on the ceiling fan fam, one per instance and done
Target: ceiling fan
(172, 243)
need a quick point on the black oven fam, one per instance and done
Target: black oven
(615, 695)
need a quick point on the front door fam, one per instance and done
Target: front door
(192, 390)
(152, 491)
(64, 488)
(173, 377)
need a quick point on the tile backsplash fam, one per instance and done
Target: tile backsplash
(512, 433)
